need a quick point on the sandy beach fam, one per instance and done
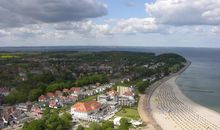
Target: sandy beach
(172, 110)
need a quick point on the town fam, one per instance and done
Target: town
(82, 89)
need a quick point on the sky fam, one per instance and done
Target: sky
(154, 23)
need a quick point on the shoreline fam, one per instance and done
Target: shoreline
(171, 109)
(144, 107)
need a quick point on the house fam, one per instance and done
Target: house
(55, 104)
(25, 107)
(36, 110)
(127, 99)
(66, 91)
(80, 95)
(126, 96)
(103, 97)
(90, 92)
(86, 110)
(75, 90)
(4, 91)
(50, 95)
(122, 89)
(42, 98)
(129, 95)
(113, 95)
(58, 93)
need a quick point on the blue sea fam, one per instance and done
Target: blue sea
(200, 82)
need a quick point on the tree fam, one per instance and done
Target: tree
(50, 121)
(124, 125)
(16, 97)
(80, 127)
(110, 129)
(95, 126)
(66, 120)
(142, 86)
(107, 124)
(34, 125)
(34, 94)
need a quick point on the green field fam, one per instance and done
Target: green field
(8, 56)
(89, 98)
(130, 113)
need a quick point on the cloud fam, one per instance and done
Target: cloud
(86, 28)
(215, 30)
(185, 12)
(21, 12)
(135, 25)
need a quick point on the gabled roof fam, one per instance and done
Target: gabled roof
(87, 106)
(42, 97)
(50, 95)
(66, 90)
(58, 93)
(75, 89)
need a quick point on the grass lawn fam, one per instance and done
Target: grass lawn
(89, 98)
(131, 113)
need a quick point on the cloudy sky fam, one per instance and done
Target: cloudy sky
(176, 23)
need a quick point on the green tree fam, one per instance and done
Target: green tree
(95, 126)
(80, 127)
(107, 124)
(142, 86)
(34, 125)
(34, 94)
(124, 125)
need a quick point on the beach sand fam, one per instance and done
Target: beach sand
(172, 110)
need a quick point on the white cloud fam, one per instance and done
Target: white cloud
(14, 13)
(135, 25)
(185, 12)
(215, 30)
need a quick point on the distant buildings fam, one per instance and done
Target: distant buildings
(4, 91)
(25, 107)
(59, 98)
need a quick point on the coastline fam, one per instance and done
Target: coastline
(171, 109)
(144, 107)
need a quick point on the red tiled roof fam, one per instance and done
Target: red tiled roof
(75, 89)
(58, 93)
(73, 97)
(42, 97)
(128, 93)
(50, 95)
(87, 106)
(66, 90)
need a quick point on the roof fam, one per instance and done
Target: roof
(42, 97)
(87, 106)
(112, 93)
(75, 89)
(58, 93)
(50, 95)
(128, 93)
(66, 90)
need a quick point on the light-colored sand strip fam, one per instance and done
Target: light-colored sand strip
(174, 111)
